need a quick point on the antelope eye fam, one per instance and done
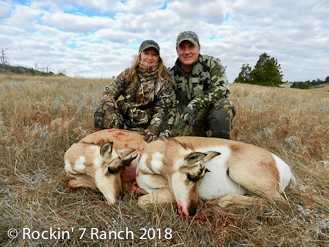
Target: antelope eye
(112, 171)
(192, 178)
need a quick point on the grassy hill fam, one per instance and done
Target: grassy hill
(41, 117)
(8, 69)
(321, 87)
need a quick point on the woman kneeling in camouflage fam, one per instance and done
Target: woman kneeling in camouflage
(145, 90)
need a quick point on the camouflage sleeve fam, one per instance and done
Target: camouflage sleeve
(162, 105)
(170, 120)
(115, 88)
(217, 86)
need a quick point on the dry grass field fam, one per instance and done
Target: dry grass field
(41, 117)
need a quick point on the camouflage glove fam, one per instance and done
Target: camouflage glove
(165, 131)
(165, 134)
(151, 134)
(189, 114)
(99, 118)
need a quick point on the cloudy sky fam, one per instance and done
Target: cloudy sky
(98, 38)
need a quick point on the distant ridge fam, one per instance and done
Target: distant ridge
(8, 69)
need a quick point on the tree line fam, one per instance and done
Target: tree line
(308, 84)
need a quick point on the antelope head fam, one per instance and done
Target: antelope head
(107, 170)
(185, 180)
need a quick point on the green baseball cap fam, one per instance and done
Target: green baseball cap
(189, 36)
(149, 44)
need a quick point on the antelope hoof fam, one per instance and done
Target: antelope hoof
(143, 201)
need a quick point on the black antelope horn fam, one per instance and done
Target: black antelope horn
(127, 161)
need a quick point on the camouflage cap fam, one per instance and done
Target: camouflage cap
(149, 44)
(189, 36)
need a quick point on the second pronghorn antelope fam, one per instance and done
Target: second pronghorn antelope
(101, 160)
(182, 168)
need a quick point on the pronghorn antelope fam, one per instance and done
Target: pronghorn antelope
(182, 168)
(101, 160)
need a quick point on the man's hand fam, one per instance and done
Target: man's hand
(165, 134)
(189, 114)
(151, 134)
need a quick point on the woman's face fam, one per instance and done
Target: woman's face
(149, 56)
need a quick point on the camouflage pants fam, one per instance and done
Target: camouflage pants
(216, 121)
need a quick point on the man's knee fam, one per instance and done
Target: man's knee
(198, 127)
(221, 118)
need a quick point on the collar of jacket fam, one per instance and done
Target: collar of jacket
(146, 70)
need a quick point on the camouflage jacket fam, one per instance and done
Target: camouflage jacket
(148, 103)
(206, 83)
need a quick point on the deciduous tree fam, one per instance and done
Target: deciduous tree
(3, 56)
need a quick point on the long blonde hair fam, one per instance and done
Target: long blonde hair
(162, 72)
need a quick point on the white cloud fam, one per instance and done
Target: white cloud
(4, 10)
(140, 6)
(75, 23)
(23, 17)
(100, 37)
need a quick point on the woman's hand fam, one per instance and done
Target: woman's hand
(151, 134)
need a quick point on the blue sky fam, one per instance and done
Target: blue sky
(94, 39)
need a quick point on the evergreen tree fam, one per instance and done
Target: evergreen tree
(326, 80)
(266, 72)
(244, 76)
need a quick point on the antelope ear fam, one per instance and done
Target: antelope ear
(209, 156)
(106, 150)
(193, 158)
(124, 152)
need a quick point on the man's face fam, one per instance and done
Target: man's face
(188, 53)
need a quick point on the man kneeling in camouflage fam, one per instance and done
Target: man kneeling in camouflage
(202, 92)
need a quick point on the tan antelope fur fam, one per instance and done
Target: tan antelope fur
(101, 160)
(182, 168)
